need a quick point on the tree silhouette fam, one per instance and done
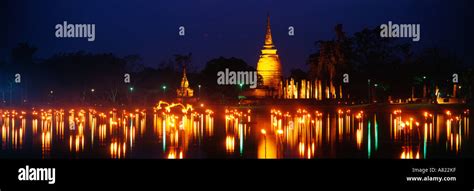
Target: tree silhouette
(183, 61)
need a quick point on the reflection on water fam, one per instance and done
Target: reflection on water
(117, 149)
(417, 131)
(301, 132)
(410, 152)
(237, 126)
(178, 126)
(177, 131)
(306, 134)
(13, 129)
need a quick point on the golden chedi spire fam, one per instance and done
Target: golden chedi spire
(184, 79)
(269, 66)
(184, 90)
(268, 35)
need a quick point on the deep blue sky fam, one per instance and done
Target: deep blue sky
(227, 28)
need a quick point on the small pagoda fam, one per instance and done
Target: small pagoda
(184, 90)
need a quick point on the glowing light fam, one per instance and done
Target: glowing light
(368, 140)
(280, 132)
(268, 65)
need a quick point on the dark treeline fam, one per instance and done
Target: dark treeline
(98, 79)
(392, 66)
(82, 78)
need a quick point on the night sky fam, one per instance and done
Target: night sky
(226, 28)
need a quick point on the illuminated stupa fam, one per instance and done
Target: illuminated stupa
(184, 90)
(268, 65)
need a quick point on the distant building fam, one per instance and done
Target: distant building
(184, 90)
(274, 85)
(269, 66)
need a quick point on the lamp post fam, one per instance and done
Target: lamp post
(369, 89)
(92, 94)
(131, 91)
(11, 93)
(264, 133)
(374, 93)
(164, 89)
(51, 92)
(199, 88)
(425, 91)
